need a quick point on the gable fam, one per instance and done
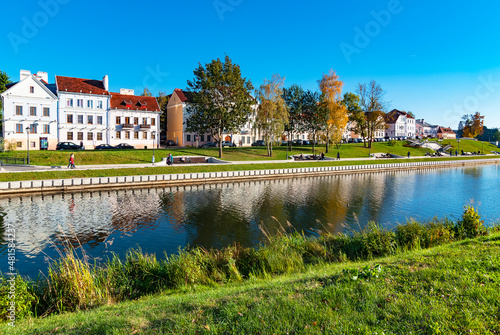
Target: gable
(30, 87)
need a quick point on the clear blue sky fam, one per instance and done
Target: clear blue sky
(439, 60)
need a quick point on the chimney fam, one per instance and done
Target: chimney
(126, 91)
(23, 74)
(105, 83)
(43, 76)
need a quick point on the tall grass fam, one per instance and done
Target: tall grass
(75, 284)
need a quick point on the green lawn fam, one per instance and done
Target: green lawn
(450, 289)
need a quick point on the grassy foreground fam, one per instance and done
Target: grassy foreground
(292, 284)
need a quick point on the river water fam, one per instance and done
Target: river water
(162, 220)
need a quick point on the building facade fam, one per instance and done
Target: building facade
(399, 124)
(30, 106)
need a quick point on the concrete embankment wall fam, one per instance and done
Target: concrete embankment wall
(96, 183)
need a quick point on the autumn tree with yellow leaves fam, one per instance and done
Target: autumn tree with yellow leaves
(272, 114)
(474, 124)
(336, 112)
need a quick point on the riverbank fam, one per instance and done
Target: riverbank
(160, 176)
(452, 288)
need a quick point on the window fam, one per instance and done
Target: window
(188, 138)
(99, 104)
(144, 135)
(208, 138)
(33, 128)
(90, 104)
(19, 128)
(80, 119)
(136, 135)
(19, 110)
(69, 136)
(118, 120)
(99, 136)
(127, 135)
(153, 121)
(69, 118)
(79, 103)
(46, 111)
(118, 135)
(69, 102)
(19, 144)
(32, 89)
(90, 136)
(90, 119)
(33, 144)
(33, 111)
(136, 121)
(46, 128)
(99, 120)
(127, 120)
(202, 138)
(153, 135)
(80, 135)
(144, 120)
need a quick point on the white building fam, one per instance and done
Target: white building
(400, 124)
(83, 111)
(134, 120)
(30, 103)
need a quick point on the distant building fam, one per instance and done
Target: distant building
(30, 105)
(445, 133)
(399, 124)
(426, 129)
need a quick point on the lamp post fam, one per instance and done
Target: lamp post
(482, 148)
(154, 137)
(28, 144)
(458, 141)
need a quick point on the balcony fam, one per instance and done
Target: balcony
(127, 126)
(145, 126)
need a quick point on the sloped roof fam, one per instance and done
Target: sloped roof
(394, 115)
(136, 102)
(445, 130)
(79, 85)
(184, 95)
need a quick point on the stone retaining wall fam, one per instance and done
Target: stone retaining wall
(79, 184)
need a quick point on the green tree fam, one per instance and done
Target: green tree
(221, 99)
(474, 124)
(314, 116)
(489, 134)
(372, 103)
(4, 81)
(272, 114)
(293, 97)
(162, 99)
(357, 117)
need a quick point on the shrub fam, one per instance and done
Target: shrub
(20, 291)
(393, 143)
(377, 240)
(471, 224)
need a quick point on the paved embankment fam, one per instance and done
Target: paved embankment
(158, 180)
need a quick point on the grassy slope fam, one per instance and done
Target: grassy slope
(444, 290)
(89, 157)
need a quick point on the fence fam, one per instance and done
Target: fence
(12, 161)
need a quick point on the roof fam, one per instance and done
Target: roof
(184, 96)
(445, 130)
(424, 124)
(79, 85)
(394, 115)
(49, 88)
(134, 102)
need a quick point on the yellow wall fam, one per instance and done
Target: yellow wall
(175, 120)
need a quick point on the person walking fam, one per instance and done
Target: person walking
(338, 155)
(71, 164)
(408, 154)
(169, 160)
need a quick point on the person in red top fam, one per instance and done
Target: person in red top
(71, 164)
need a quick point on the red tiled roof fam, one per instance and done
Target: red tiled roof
(136, 102)
(393, 116)
(181, 94)
(445, 130)
(79, 85)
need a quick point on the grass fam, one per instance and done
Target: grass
(374, 295)
(352, 150)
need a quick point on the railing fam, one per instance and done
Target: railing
(127, 126)
(12, 161)
(145, 126)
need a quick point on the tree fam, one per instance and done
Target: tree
(313, 116)
(372, 104)
(293, 97)
(272, 114)
(221, 100)
(336, 112)
(147, 92)
(473, 125)
(4, 80)
(162, 99)
(489, 134)
(356, 115)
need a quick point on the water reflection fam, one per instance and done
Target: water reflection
(164, 219)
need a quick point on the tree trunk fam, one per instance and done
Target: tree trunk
(220, 144)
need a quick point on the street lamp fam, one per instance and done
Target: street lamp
(28, 144)
(153, 133)
(458, 141)
(482, 148)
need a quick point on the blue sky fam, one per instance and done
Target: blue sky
(439, 60)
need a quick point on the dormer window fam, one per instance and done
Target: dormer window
(142, 104)
(32, 89)
(127, 103)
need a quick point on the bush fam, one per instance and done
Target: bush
(20, 291)
(471, 224)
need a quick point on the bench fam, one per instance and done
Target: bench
(189, 160)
